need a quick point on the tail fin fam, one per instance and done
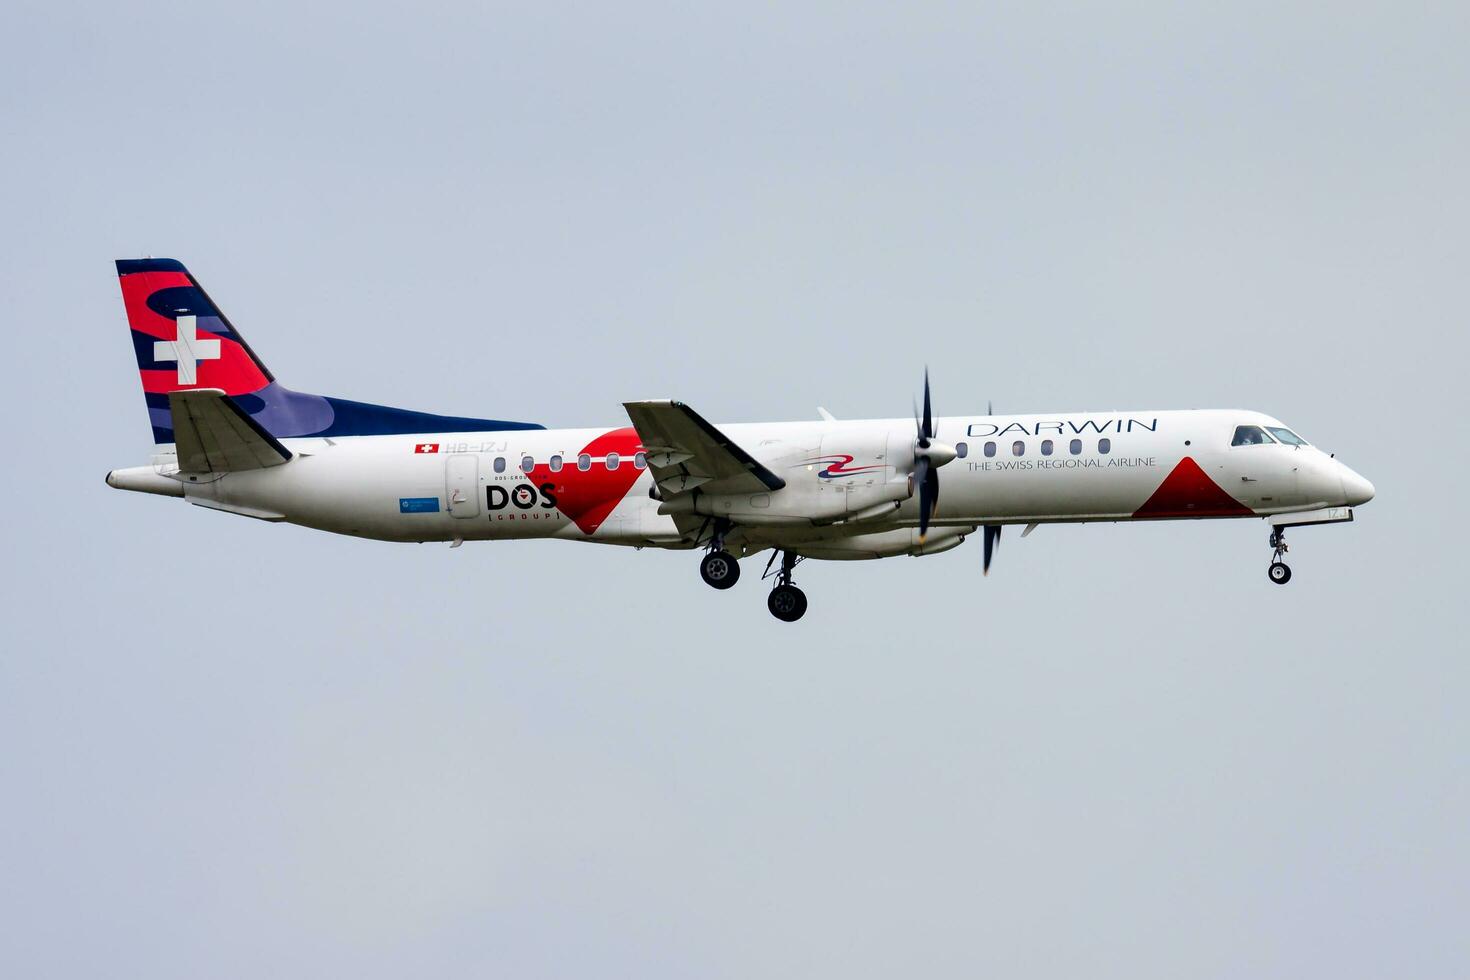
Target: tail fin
(183, 342)
(181, 339)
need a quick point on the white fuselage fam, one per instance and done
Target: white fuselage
(1009, 469)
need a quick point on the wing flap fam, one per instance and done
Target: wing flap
(212, 435)
(684, 451)
(680, 483)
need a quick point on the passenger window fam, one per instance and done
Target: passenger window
(640, 460)
(990, 449)
(584, 462)
(1286, 436)
(555, 464)
(1075, 448)
(961, 450)
(1105, 446)
(1046, 447)
(1018, 448)
(612, 461)
(1250, 435)
(500, 464)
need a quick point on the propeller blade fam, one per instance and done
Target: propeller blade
(992, 543)
(928, 430)
(927, 486)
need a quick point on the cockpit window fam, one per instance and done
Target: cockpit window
(1250, 435)
(1286, 436)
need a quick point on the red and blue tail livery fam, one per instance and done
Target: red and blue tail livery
(183, 341)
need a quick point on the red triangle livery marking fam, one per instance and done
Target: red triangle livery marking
(589, 497)
(1188, 491)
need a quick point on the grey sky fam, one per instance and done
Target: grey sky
(231, 749)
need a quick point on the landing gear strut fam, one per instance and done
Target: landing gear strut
(719, 569)
(1279, 571)
(786, 602)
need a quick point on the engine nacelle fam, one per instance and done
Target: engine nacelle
(850, 477)
(803, 504)
(886, 544)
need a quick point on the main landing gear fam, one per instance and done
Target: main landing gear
(719, 568)
(786, 602)
(1279, 571)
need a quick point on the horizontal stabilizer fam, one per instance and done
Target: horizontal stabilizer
(212, 435)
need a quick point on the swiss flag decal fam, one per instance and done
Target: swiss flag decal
(426, 447)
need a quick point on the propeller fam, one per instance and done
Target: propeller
(929, 455)
(992, 531)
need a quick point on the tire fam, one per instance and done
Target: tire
(719, 569)
(787, 603)
(1279, 572)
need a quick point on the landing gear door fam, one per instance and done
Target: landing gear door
(462, 485)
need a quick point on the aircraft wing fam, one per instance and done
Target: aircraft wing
(212, 435)
(684, 451)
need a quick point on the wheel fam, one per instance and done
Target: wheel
(719, 569)
(1279, 573)
(787, 603)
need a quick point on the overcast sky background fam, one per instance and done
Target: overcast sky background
(231, 749)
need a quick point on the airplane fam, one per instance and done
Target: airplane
(229, 437)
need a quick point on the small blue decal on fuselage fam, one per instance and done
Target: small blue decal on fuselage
(418, 505)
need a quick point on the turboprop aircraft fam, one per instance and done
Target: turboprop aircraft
(229, 437)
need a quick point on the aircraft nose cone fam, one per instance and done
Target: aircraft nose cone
(1355, 489)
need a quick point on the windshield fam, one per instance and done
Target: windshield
(1287, 436)
(1250, 435)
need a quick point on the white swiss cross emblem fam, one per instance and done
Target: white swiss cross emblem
(188, 350)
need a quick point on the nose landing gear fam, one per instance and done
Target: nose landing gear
(786, 602)
(1279, 572)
